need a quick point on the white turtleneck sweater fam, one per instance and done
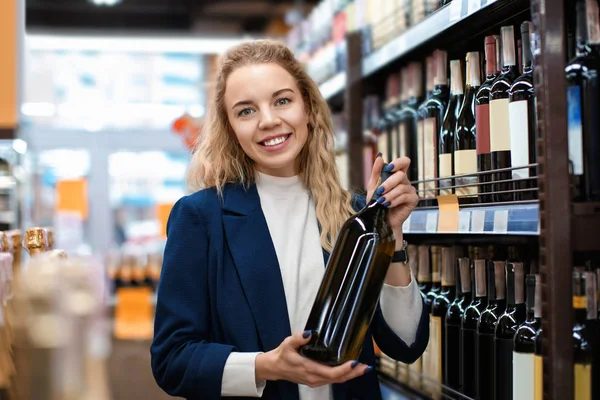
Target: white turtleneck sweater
(291, 218)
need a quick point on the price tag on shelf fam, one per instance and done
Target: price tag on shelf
(474, 5)
(464, 221)
(448, 214)
(477, 221)
(406, 225)
(431, 223)
(500, 221)
(455, 10)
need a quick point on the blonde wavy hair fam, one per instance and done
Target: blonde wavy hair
(218, 158)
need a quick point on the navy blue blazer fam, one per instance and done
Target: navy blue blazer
(221, 291)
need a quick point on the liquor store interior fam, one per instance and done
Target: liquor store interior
(105, 105)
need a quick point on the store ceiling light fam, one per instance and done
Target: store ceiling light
(131, 44)
(109, 3)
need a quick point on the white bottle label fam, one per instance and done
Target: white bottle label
(383, 144)
(429, 156)
(465, 162)
(445, 161)
(575, 129)
(519, 135)
(499, 125)
(523, 376)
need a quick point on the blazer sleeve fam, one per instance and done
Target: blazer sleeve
(385, 337)
(184, 361)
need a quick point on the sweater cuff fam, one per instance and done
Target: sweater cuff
(239, 376)
(401, 307)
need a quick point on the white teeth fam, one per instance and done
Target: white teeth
(275, 141)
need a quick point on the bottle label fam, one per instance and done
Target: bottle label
(575, 129)
(435, 341)
(539, 378)
(593, 25)
(579, 302)
(499, 125)
(414, 374)
(523, 376)
(504, 368)
(421, 156)
(395, 144)
(482, 127)
(583, 382)
(403, 151)
(465, 162)
(430, 155)
(519, 134)
(445, 165)
(383, 144)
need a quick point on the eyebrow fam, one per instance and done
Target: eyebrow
(275, 94)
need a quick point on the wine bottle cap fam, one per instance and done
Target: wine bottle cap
(490, 40)
(465, 274)
(35, 239)
(416, 79)
(15, 235)
(441, 65)
(424, 274)
(519, 275)
(500, 279)
(537, 307)
(456, 84)
(448, 278)
(392, 89)
(508, 46)
(473, 69)
(526, 28)
(430, 72)
(480, 281)
(530, 282)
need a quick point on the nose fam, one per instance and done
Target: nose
(268, 120)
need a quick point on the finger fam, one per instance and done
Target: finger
(298, 340)
(334, 374)
(404, 199)
(395, 193)
(359, 370)
(396, 179)
(375, 174)
(399, 164)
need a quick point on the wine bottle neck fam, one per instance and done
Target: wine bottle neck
(480, 281)
(530, 300)
(508, 47)
(527, 55)
(473, 71)
(456, 79)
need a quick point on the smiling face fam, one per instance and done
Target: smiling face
(266, 111)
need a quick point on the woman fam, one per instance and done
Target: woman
(246, 253)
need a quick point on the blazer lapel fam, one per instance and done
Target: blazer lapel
(254, 256)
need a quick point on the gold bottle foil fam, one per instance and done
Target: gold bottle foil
(35, 240)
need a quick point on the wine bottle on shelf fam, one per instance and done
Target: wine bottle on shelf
(469, 322)
(499, 117)
(453, 319)
(429, 357)
(356, 270)
(521, 109)
(465, 145)
(429, 75)
(482, 115)
(35, 241)
(496, 288)
(386, 141)
(448, 131)
(415, 369)
(506, 328)
(538, 348)
(582, 340)
(431, 113)
(583, 97)
(407, 118)
(436, 276)
(524, 347)
(424, 274)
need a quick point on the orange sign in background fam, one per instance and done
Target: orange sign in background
(72, 196)
(9, 57)
(163, 210)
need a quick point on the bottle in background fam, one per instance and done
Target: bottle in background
(500, 118)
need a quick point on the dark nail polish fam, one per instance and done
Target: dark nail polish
(369, 369)
(389, 167)
(379, 190)
(378, 155)
(306, 334)
(387, 204)
(355, 363)
(381, 200)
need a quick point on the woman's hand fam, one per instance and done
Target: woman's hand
(399, 195)
(285, 363)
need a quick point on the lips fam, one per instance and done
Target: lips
(275, 140)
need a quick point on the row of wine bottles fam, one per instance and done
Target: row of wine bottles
(468, 127)
(485, 328)
(134, 269)
(36, 241)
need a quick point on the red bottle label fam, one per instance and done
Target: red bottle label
(482, 118)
